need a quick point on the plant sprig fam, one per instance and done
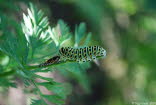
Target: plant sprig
(30, 44)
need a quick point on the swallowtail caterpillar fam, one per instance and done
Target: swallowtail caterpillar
(82, 54)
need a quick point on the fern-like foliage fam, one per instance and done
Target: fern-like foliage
(35, 26)
(33, 43)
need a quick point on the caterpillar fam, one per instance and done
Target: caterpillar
(81, 54)
(50, 61)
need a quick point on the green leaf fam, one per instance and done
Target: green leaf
(37, 102)
(60, 34)
(13, 41)
(61, 89)
(79, 33)
(44, 78)
(56, 99)
(5, 82)
(88, 39)
(35, 28)
(77, 71)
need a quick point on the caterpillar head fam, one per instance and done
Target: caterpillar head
(102, 52)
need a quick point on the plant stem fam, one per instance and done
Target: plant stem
(38, 66)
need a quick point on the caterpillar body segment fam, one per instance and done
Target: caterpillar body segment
(50, 61)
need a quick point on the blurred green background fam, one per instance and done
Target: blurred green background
(125, 28)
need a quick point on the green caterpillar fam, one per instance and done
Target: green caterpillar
(81, 54)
